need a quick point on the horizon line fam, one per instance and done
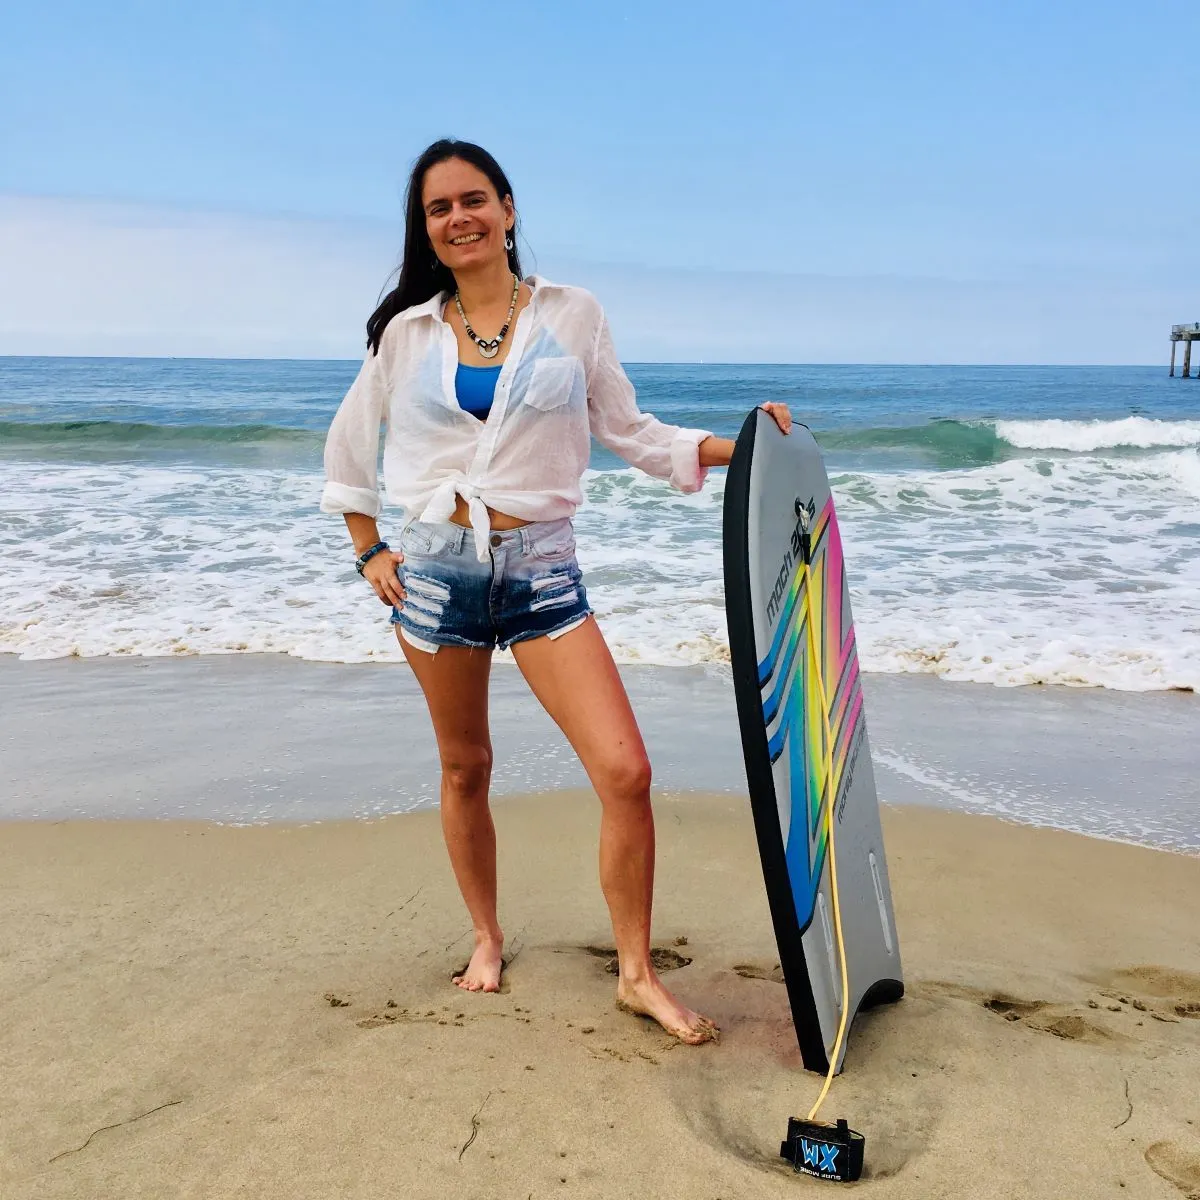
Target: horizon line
(629, 362)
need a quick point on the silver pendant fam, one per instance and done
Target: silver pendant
(487, 352)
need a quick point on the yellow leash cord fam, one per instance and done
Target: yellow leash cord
(814, 657)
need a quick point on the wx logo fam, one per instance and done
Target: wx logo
(820, 1155)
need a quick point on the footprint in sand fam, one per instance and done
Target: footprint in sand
(1059, 1020)
(756, 971)
(1179, 1165)
(1012, 1009)
(1176, 992)
(662, 958)
(393, 1015)
(1047, 1018)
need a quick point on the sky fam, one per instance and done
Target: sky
(782, 182)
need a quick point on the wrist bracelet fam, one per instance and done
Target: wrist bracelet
(366, 556)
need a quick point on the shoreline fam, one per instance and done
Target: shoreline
(196, 1010)
(265, 738)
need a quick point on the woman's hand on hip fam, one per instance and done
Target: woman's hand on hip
(381, 573)
(780, 414)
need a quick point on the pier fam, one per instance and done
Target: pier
(1187, 334)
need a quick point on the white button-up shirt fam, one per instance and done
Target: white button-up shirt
(561, 383)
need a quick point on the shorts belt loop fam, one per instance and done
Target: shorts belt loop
(525, 538)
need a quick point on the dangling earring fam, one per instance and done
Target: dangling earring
(508, 243)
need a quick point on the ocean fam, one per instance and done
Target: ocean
(1002, 525)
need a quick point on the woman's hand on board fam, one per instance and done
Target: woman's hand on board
(381, 573)
(780, 414)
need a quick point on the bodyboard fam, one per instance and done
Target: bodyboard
(778, 506)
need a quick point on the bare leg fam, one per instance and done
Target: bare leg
(577, 683)
(455, 683)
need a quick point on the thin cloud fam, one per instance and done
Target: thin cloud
(102, 278)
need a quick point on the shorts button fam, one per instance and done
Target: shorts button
(496, 539)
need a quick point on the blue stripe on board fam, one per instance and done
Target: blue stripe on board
(780, 690)
(767, 666)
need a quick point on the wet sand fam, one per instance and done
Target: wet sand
(248, 738)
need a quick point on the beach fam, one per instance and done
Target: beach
(253, 356)
(260, 1004)
(229, 922)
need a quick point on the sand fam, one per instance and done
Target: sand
(192, 1010)
(248, 738)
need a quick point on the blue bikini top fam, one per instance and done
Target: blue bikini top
(475, 388)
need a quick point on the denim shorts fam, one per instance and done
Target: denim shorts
(531, 585)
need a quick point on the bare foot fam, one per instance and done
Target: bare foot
(649, 998)
(482, 973)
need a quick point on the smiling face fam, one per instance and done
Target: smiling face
(465, 219)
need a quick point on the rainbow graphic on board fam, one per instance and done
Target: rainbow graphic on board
(791, 702)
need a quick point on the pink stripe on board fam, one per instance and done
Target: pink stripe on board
(852, 724)
(847, 691)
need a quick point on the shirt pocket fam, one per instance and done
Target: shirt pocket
(554, 382)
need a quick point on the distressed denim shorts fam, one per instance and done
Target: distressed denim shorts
(531, 585)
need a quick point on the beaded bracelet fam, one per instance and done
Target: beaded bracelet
(366, 556)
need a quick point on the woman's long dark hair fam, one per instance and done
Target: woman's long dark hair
(422, 273)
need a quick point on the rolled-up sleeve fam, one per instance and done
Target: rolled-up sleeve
(352, 445)
(665, 451)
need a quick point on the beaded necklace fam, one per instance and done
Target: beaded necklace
(489, 347)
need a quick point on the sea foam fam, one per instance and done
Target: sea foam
(1085, 436)
(1081, 570)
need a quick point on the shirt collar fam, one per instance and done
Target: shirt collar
(433, 306)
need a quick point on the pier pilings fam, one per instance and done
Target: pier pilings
(1187, 334)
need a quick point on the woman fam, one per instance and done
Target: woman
(490, 387)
